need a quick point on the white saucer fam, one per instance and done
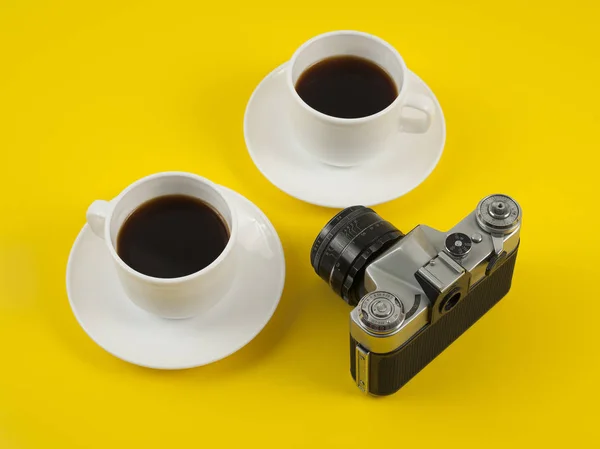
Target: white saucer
(280, 159)
(132, 334)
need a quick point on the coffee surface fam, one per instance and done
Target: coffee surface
(172, 236)
(346, 87)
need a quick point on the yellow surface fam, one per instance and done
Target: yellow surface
(93, 97)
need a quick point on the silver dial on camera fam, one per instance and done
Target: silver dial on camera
(498, 214)
(381, 312)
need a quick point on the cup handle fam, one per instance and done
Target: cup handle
(417, 125)
(96, 216)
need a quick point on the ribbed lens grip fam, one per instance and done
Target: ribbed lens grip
(343, 248)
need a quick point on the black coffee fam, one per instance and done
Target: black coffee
(346, 87)
(172, 236)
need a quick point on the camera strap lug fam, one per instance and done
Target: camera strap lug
(362, 368)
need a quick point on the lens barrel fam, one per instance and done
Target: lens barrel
(345, 246)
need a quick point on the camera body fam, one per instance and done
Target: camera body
(415, 293)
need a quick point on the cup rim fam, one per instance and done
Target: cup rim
(170, 281)
(340, 120)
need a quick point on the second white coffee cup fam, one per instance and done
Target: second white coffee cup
(181, 297)
(347, 142)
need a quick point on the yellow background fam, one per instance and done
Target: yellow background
(94, 96)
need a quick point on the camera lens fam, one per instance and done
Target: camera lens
(345, 246)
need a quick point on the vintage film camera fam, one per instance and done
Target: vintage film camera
(415, 293)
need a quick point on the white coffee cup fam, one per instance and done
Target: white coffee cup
(181, 297)
(346, 142)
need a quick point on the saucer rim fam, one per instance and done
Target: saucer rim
(173, 367)
(341, 205)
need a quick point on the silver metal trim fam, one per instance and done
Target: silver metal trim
(362, 368)
(498, 243)
(450, 262)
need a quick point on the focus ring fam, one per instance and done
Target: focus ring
(353, 250)
(348, 244)
(345, 246)
(329, 232)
